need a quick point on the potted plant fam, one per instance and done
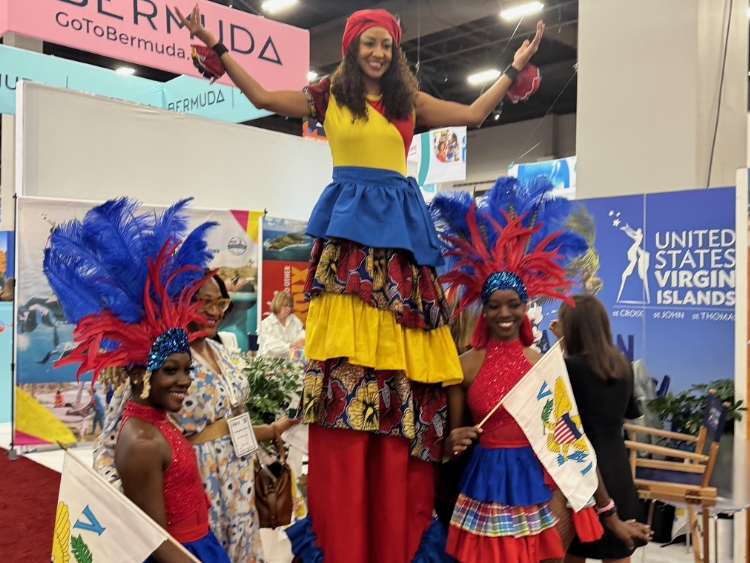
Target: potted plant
(274, 386)
(683, 412)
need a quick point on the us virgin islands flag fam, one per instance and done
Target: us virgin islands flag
(543, 405)
(96, 523)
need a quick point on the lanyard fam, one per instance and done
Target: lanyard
(220, 376)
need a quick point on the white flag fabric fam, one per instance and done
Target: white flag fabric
(542, 403)
(97, 523)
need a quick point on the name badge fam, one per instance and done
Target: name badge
(243, 437)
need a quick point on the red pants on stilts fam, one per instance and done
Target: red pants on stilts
(369, 500)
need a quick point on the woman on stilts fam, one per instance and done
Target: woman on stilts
(378, 339)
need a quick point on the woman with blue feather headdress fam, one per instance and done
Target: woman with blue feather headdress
(101, 263)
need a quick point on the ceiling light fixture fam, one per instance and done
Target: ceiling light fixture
(312, 75)
(520, 11)
(125, 71)
(484, 76)
(273, 6)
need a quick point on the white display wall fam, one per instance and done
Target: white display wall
(79, 146)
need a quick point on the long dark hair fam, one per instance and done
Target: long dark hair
(398, 85)
(586, 331)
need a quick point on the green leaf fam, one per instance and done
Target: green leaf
(81, 550)
(547, 410)
(273, 382)
(684, 412)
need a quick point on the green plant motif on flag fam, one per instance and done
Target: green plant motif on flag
(80, 550)
(547, 410)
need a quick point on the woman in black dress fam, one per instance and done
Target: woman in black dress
(602, 382)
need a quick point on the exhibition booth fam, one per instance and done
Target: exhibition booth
(671, 268)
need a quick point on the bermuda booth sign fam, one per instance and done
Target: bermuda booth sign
(184, 94)
(149, 33)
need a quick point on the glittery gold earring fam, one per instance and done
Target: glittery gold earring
(146, 385)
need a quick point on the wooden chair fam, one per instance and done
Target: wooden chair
(681, 481)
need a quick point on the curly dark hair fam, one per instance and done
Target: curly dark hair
(398, 85)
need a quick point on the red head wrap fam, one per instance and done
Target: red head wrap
(363, 20)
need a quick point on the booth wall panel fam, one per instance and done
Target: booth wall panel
(79, 146)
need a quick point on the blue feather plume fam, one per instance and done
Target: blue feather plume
(531, 199)
(171, 223)
(101, 262)
(192, 251)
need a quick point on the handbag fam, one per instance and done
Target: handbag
(273, 490)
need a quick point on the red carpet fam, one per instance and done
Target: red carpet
(28, 500)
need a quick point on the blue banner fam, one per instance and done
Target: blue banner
(184, 94)
(561, 172)
(664, 265)
(19, 64)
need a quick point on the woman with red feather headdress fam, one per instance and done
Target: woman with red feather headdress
(509, 248)
(122, 281)
(378, 339)
(132, 304)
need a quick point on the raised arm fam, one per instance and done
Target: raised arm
(289, 103)
(432, 112)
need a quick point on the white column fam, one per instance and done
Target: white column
(648, 92)
(648, 86)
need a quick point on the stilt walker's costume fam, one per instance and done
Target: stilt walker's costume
(378, 341)
(503, 511)
(131, 302)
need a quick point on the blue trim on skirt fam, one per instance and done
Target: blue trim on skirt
(207, 550)
(510, 476)
(377, 208)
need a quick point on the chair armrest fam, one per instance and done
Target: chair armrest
(658, 432)
(638, 446)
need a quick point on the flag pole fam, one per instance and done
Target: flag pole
(497, 406)
(170, 539)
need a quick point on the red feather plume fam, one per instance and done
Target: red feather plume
(133, 341)
(540, 270)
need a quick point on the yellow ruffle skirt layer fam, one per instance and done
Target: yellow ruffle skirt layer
(343, 326)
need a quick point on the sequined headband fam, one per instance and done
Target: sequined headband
(172, 341)
(504, 280)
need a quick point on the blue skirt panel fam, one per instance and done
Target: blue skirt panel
(377, 208)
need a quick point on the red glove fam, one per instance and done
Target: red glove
(526, 84)
(208, 62)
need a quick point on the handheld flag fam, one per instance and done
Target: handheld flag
(543, 405)
(95, 522)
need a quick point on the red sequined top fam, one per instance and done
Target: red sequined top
(504, 365)
(185, 501)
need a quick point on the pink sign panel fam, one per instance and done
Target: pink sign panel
(149, 33)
